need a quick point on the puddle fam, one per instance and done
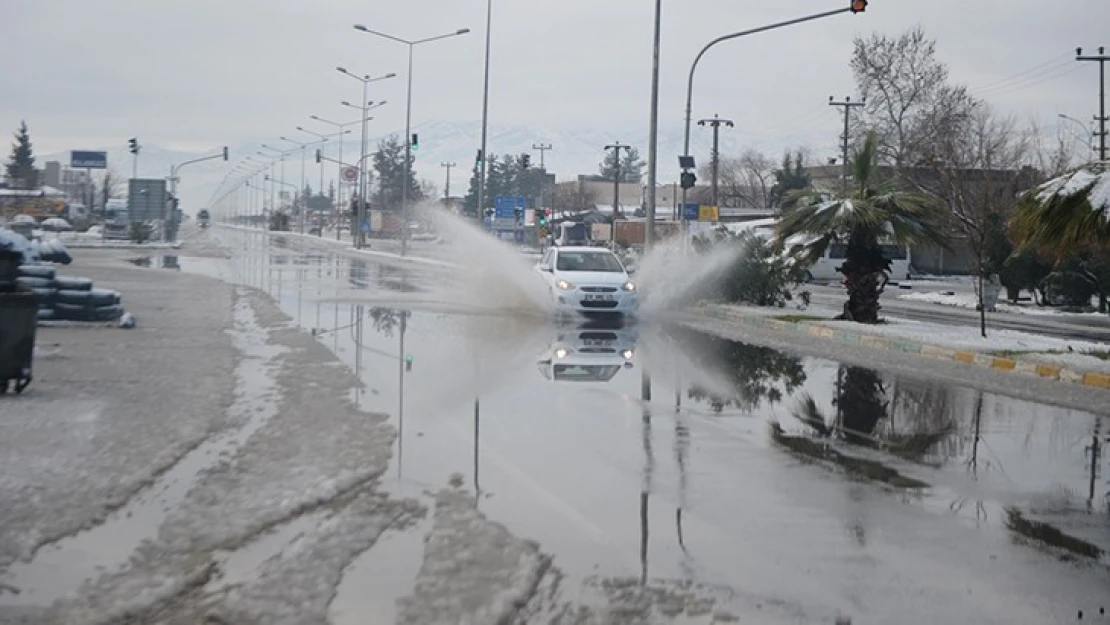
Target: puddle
(157, 262)
(59, 569)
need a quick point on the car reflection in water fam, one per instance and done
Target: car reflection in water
(588, 354)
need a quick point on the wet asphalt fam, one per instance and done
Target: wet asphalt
(655, 452)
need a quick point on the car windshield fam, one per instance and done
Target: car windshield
(588, 261)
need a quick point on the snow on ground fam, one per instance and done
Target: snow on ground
(997, 341)
(315, 449)
(969, 300)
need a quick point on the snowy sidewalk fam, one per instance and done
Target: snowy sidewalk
(1076, 362)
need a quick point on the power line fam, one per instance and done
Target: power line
(848, 106)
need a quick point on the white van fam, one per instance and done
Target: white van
(824, 270)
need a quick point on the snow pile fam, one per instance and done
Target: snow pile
(970, 300)
(1067, 185)
(1071, 352)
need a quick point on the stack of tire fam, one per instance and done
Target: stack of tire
(63, 298)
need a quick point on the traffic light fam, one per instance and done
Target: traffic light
(317, 155)
(542, 217)
(408, 362)
(526, 160)
(225, 152)
(133, 145)
(478, 159)
(859, 6)
(688, 179)
(415, 142)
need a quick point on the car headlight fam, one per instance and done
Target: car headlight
(628, 286)
(628, 353)
(562, 352)
(564, 285)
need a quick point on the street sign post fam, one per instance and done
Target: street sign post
(707, 213)
(147, 199)
(350, 174)
(84, 159)
(691, 212)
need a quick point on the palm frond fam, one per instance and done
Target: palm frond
(1069, 211)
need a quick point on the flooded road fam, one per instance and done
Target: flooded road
(775, 483)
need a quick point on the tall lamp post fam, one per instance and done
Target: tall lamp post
(319, 160)
(408, 121)
(854, 6)
(364, 107)
(304, 202)
(342, 129)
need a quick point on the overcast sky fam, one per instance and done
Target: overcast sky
(194, 74)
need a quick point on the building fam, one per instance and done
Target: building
(76, 184)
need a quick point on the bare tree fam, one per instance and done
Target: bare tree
(978, 169)
(572, 198)
(909, 100)
(746, 181)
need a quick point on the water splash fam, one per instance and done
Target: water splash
(671, 275)
(493, 274)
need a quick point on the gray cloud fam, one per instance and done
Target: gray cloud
(214, 72)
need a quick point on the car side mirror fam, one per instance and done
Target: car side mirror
(630, 270)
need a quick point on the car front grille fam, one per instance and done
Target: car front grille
(599, 289)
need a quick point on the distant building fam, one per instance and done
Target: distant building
(76, 184)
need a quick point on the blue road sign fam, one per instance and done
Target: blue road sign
(506, 206)
(691, 212)
(84, 159)
(365, 226)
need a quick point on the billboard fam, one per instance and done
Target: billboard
(84, 159)
(147, 199)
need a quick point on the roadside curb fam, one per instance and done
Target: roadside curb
(818, 330)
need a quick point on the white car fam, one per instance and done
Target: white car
(588, 355)
(588, 280)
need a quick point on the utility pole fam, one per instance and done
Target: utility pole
(716, 123)
(542, 148)
(844, 140)
(1101, 119)
(617, 147)
(447, 187)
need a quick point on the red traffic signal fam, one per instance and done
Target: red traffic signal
(859, 6)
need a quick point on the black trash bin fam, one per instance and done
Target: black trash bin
(19, 308)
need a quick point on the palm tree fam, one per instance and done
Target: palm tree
(1068, 212)
(874, 210)
(1069, 216)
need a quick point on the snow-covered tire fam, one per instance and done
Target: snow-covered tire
(36, 271)
(46, 297)
(92, 298)
(73, 284)
(35, 283)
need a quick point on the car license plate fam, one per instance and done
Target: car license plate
(598, 298)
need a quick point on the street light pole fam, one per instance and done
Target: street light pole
(653, 135)
(357, 235)
(300, 192)
(851, 8)
(479, 210)
(408, 122)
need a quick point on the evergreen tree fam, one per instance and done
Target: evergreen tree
(631, 165)
(21, 164)
(389, 163)
(791, 176)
